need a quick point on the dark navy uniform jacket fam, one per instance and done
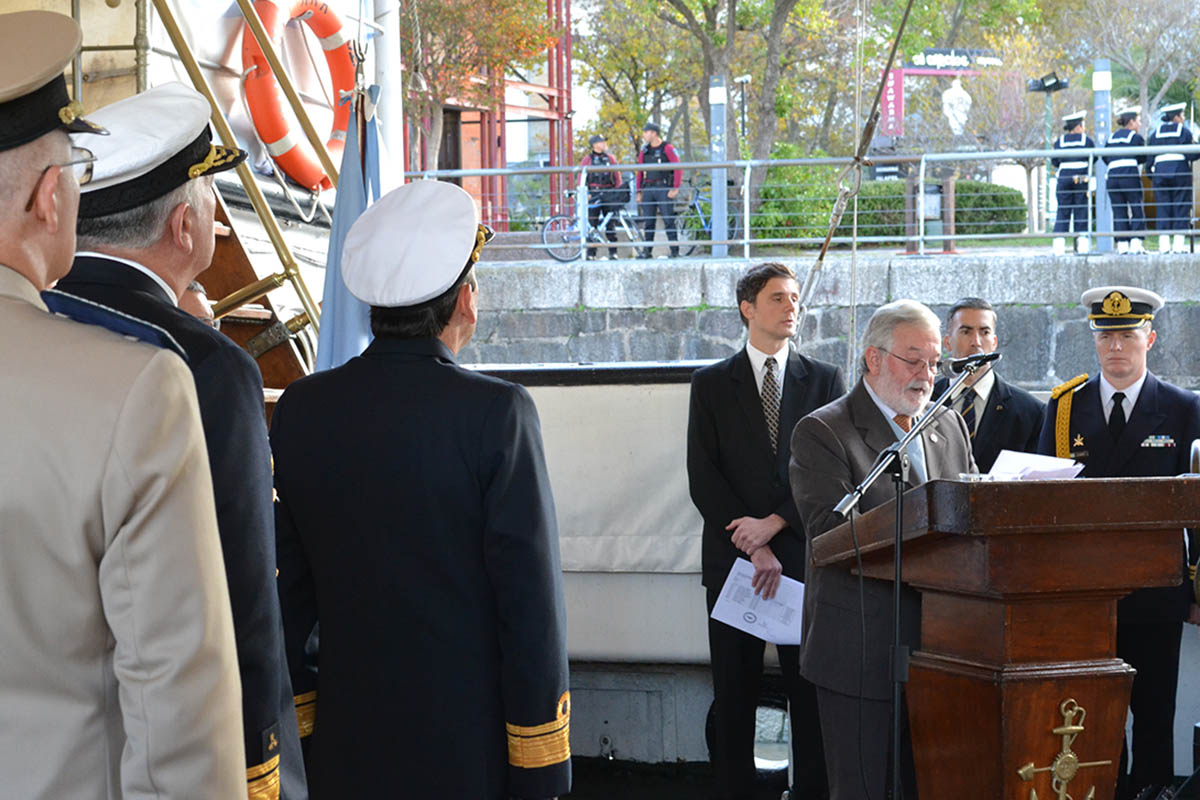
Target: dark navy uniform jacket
(1156, 441)
(1070, 164)
(1012, 420)
(731, 470)
(1166, 134)
(416, 524)
(1124, 166)
(229, 388)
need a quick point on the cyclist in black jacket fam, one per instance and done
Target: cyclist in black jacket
(657, 190)
(606, 193)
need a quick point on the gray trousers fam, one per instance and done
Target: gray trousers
(857, 736)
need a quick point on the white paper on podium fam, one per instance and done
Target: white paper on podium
(776, 620)
(1013, 466)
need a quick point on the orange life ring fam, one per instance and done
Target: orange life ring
(263, 95)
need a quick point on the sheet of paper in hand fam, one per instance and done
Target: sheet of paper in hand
(776, 620)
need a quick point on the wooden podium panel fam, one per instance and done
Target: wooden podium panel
(1016, 685)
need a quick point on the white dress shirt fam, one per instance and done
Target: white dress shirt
(139, 267)
(758, 365)
(1107, 390)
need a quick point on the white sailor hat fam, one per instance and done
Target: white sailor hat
(35, 47)
(1169, 111)
(1120, 307)
(1075, 116)
(1129, 110)
(413, 245)
(161, 140)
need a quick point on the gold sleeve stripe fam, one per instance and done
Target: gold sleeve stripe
(262, 786)
(534, 746)
(306, 713)
(262, 769)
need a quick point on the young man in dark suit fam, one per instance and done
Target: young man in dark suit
(1126, 423)
(739, 429)
(999, 416)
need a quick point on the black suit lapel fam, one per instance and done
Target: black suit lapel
(995, 412)
(1088, 421)
(795, 396)
(1143, 420)
(748, 398)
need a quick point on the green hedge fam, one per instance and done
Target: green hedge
(797, 203)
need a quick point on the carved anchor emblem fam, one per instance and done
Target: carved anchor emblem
(1066, 764)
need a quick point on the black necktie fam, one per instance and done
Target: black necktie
(968, 410)
(770, 402)
(1116, 420)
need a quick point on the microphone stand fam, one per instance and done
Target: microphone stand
(894, 460)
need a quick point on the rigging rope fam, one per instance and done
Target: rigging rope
(850, 181)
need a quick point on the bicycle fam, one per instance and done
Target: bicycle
(561, 234)
(696, 219)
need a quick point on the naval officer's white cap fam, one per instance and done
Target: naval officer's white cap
(1075, 116)
(1129, 110)
(413, 245)
(35, 48)
(1120, 307)
(160, 140)
(1169, 111)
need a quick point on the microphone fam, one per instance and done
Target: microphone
(957, 365)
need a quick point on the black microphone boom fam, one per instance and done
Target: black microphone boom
(957, 365)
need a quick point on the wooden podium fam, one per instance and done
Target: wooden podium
(1016, 687)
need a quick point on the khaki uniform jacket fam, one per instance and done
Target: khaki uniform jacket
(118, 676)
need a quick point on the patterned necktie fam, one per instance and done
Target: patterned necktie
(904, 421)
(968, 410)
(770, 403)
(1116, 420)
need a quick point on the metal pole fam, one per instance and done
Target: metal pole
(285, 83)
(717, 98)
(1102, 87)
(291, 270)
(390, 111)
(1049, 184)
(921, 207)
(141, 44)
(77, 64)
(746, 213)
(581, 212)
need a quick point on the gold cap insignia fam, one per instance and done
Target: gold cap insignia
(215, 158)
(1116, 304)
(483, 235)
(70, 112)
(1078, 441)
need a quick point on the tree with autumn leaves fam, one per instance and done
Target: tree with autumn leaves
(457, 52)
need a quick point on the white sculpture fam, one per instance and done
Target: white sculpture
(956, 105)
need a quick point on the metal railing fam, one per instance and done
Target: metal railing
(791, 204)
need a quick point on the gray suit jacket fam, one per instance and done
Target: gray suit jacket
(833, 449)
(118, 675)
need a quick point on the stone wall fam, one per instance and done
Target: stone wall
(685, 309)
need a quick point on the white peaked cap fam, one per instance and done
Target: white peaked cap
(412, 245)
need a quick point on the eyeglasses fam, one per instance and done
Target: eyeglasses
(81, 164)
(915, 363)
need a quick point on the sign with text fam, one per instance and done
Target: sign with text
(955, 58)
(891, 105)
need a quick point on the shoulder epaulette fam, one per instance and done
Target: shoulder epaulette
(88, 312)
(1063, 388)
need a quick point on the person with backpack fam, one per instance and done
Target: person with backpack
(606, 193)
(657, 190)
